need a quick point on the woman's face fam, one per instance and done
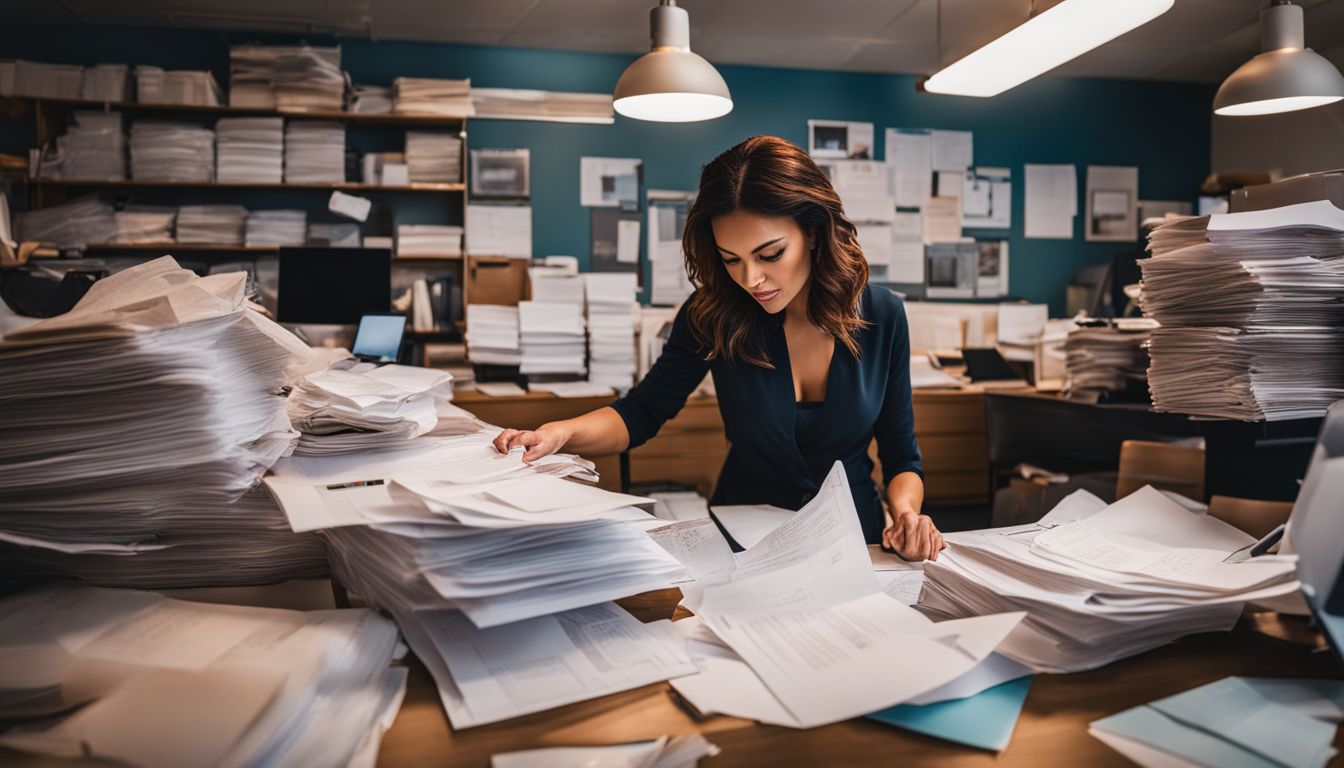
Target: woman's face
(769, 256)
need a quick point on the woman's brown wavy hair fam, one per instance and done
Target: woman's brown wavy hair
(770, 176)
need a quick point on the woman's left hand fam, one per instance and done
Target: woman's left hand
(914, 537)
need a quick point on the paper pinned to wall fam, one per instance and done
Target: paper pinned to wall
(1112, 204)
(950, 183)
(942, 220)
(667, 221)
(906, 264)
(864, 186)
(875, 240)
(499, 230)
(627, 241)
(910, 156)
(987, 199)
(1051, 201)
(993, 268)
(609, 182)
(839, 139)
(952, 150)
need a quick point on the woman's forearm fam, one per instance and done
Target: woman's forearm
(905, 494)
(597, 433)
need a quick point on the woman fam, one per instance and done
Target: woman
(809, 361)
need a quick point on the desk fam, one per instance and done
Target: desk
(1052, 730)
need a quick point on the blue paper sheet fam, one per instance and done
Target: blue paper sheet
(985, 720)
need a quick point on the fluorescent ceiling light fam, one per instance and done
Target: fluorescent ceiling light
(1042, 43)
(669, 84)
(1286, 76)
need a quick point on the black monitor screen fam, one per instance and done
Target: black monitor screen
(333, 285)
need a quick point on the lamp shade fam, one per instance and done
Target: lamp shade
(670, 84)
(1287, 76)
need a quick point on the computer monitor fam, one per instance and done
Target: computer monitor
(378, 339)
(333, 285)
(1316, 529)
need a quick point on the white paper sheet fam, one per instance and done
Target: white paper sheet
(1111, 200)
(749, 523)
(987, 198)
(607, 182)
(942, 220)
(499, 230)
(906, 263)
(1051, 201)
(627, 241)
(952, 150)
(910, 155)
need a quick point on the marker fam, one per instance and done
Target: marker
(354, 484)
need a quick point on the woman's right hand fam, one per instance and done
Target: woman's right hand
(539, 442)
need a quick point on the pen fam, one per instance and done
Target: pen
(353, 484)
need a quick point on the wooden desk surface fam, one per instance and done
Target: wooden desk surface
(1051, 731)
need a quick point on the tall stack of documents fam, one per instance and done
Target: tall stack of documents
(498, 571)
(154, 85)
(167, 682)
(492, 335)
(182, 419)
(371, 99)
(428, 96)
(251, 78)
(105, 82)
(314, 152)
(163, 151)
(796, 630)
(87, 220)
(550, 336)
(1251, 305)
(47, 81)
(93, 147)
(251, 149)
(145, 224)
(211, 224)
(521, 104)
(308, 78)
(365, 407)
(1101, 583)
(1107, 359)
(278, 227)
(612, 313)
(429, 240)
(433, 156)
(557, 281)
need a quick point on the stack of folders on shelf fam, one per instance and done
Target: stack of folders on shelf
(211, 224)
(314, 152)
(338, 235)
(371, 99)
(492, 335)
(428, 96)
(434, 303)
(365, 407)
(74, 224)
(1107, 359)
(106, 82)
(433, 157)
(154, 85)
(162, 682)
(429, 240)
(48, 81)
(513, 103)
(497, 570)
(1251, 305)
(279, 227)
(550, 335)
(145, 224)
(612, 312)
(250, 149)
(164, 151)
(251, 76)
(153, 484)
(93, 147)
(308, 78)
(1101, 583)
(798, 631)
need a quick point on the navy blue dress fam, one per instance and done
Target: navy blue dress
(774, 456)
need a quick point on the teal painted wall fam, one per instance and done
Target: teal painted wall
(1162, 128)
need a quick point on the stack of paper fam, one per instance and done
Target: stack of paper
(211, 224)
(93, 147)
(314, 152)
(47, 81)
(251, 74)
(87, 220)
(557, 284)
(279, 227)
(154, 85)
(181, 421)
(428, 96)
(307, 78)
(145, 224)
(162, 151)
(1102, 583)
(365, 407)
(764, 615)
(251, 149)
(492, 335)
(675, 506)
(170, 682)
(371, 100)
(520, 104)
(340, 235)
(663, 752)
(1250, 306)
(1106, 359)
(105, 82)
(433, 156)
(550, 336)
(1234, 721)
(429, 240)
(612, 312)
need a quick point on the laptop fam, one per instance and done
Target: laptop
(378, 339)
(1316, 530)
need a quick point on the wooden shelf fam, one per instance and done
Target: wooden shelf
(425, 261)
(224, 110)
(178, 247)
(345, 186)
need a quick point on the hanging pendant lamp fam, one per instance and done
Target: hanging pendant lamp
(1285, 76)
(670, 84)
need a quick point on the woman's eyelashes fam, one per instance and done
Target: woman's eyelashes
(773, 256)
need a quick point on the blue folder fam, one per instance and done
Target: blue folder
(985, 720)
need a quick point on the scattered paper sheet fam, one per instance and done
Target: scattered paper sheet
(749, 523)
(985, 719)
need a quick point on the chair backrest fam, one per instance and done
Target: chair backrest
(1165, 466)
(1252, 516)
